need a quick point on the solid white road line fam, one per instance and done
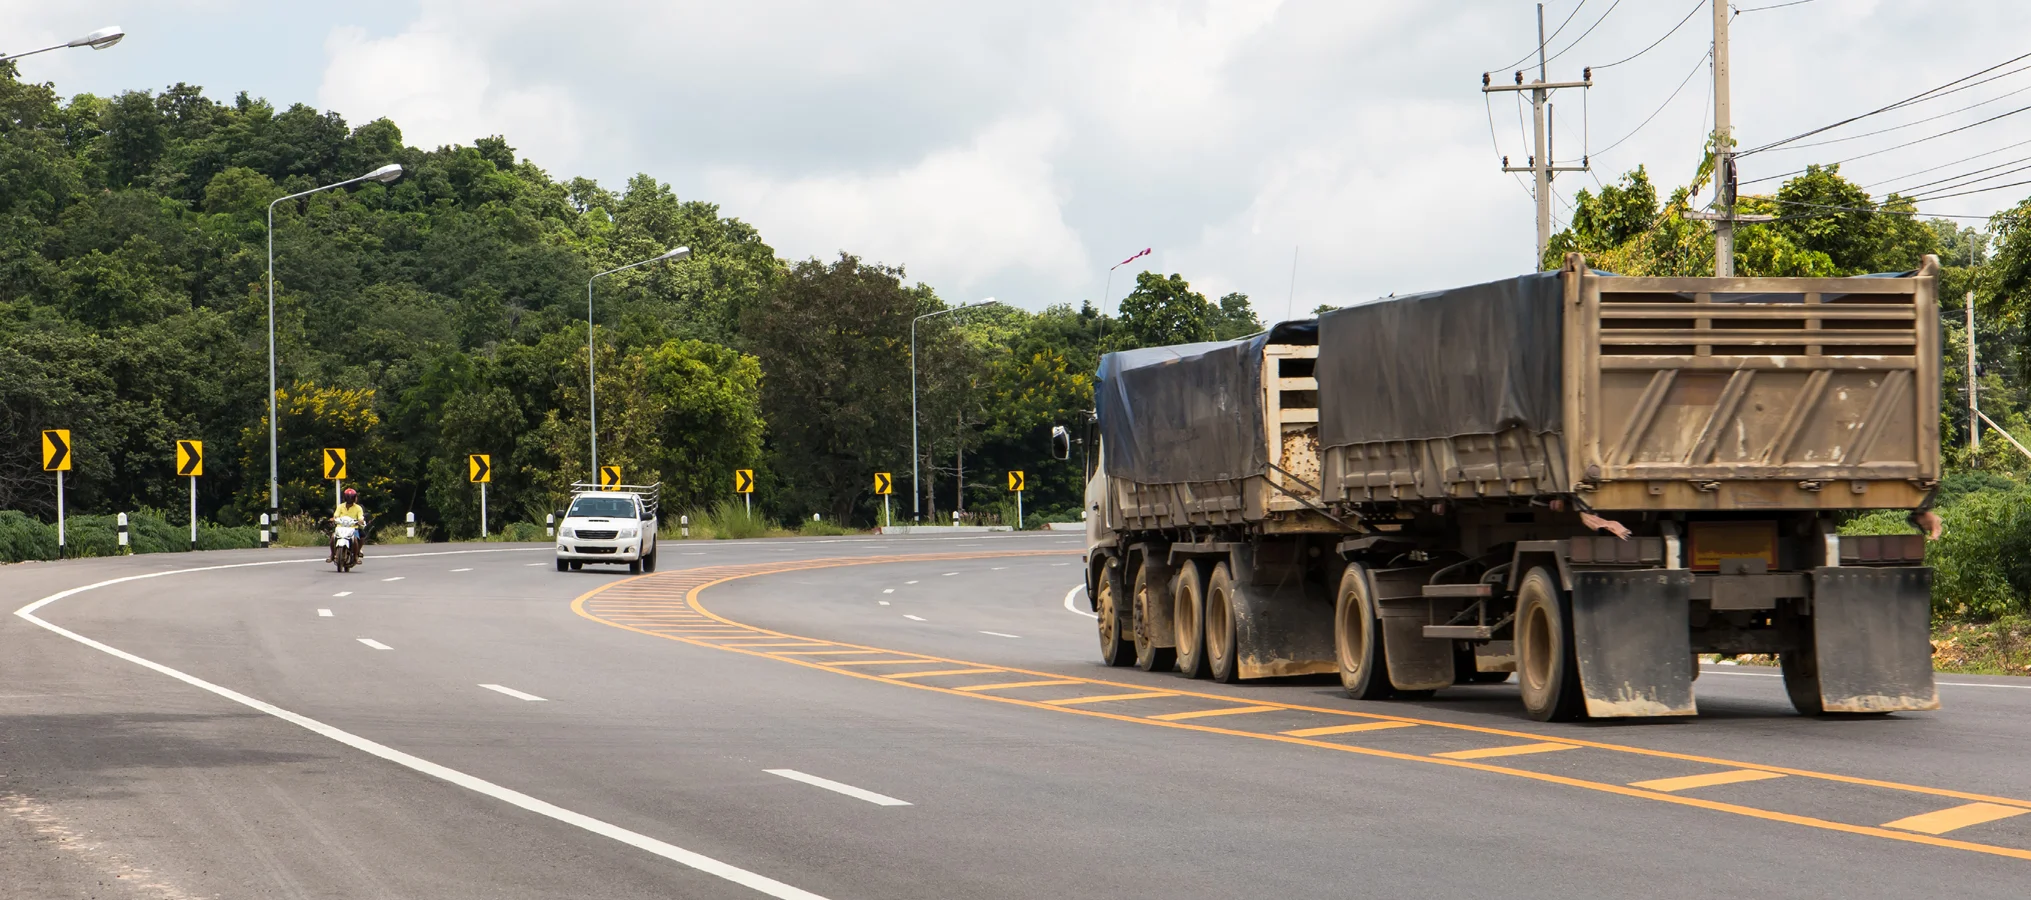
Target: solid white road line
(1076, 590)
(1000, 634)
(836, 787)
(374, 644)
(343, 594)
(396, 578)
(2012, 687)
(512, 692)
(917, 618)
(672, 852)
(468, 570)
(324, 612)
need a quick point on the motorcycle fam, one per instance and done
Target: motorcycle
(345, 543)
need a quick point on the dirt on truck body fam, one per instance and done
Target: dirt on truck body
(1583, 478)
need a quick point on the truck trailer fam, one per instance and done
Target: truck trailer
(1582, 478)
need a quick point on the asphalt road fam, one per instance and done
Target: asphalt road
(914, 718)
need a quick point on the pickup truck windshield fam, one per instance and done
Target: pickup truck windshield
(602, 507)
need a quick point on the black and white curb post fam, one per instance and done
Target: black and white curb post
(264, 531)
(412, 524)
(123, 533)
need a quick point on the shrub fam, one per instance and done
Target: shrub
(23, 538)
(1983, 561)
(823, 528)
(521, 533)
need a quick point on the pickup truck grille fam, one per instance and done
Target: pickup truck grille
(597, 535)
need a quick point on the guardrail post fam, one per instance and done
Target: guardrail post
(264, 530)
(412, 524)
(123, 532)
(550, 525)
(684, 526)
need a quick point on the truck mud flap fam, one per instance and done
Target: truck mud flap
(1416, 663)
(1633, 641)
(1872, 638)
(1280, 629)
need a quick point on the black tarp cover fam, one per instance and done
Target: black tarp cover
(1471, 360)
(1184, 413)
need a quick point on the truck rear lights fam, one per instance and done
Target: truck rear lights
(1882, 549)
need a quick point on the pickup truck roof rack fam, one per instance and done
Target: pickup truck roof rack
(651, 494)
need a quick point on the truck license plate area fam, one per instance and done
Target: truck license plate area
(1712, 542)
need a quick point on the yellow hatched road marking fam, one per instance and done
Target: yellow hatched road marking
(699, 580)
(1347, 729)
(1203, 713)
(1512, 750)
(1109, 698)
(1014, 684)
(1952, 818)
(944, 672)
(883, 662)
(779, 644)
(823, 652)
(1710, 779)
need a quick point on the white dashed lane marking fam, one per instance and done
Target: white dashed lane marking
(513, 693)
(375, 644)
(343, 594)
(916, 618)
(1000, 634)
(396, 578)
(324, 612)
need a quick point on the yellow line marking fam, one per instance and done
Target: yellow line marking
(723, 575)
(1710, 779)
(1347, 729)
(1014, 684)
(780, 644)
(1203, 713)
(883, 662)
(1511, 750)
(945, 672)
(1949, 819)
(821, 652)
(1068, 701)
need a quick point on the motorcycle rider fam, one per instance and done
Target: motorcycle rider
(349, 505)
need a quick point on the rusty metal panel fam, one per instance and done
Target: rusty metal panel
(1754, 393)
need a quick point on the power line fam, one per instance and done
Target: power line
(1956, 162)
(1903, 145)
(1908, 124)
(1492, 139)
(1771, 6)
(1660, 108)
(1590, 30)
(1913, 189)
(1554, 36)
(1887, 212)
(1696, 7)
(1994, 187)
(1915, 98)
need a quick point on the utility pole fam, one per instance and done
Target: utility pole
(1542, 167)
(1974, 412)
(1724, 151)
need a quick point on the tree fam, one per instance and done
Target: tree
(1164, 310)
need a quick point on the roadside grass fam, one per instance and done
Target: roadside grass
(727, 520)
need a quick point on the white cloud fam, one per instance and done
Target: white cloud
(441, 90)
(957, 218)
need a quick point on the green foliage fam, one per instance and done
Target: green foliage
(1163, 309)
(1983, 561)
(24, 538)
(822, 528)
(729, 520)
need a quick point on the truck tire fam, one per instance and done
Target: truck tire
(1221, 643)
(1148, 656)
(563, 566)
(1357, 638)
(1801, 673)
(1188, 610)
(1115, 650)
(635, 568)
(649, 561)
(1545, 664)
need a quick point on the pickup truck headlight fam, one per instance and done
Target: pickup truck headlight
(565, 533)
(628, 531)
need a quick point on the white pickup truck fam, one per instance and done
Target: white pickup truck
(610, 527)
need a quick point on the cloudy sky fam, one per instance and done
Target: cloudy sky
(1020, 149)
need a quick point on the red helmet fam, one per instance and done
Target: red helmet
(351, 495)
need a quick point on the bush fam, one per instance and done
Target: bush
(23, 538)
(521, 533)
(727, 521)
(822, 528)
(1983, 561)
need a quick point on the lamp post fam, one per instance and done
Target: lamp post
(384, 174)
(97, 40)
(916, 477)
(591, 350)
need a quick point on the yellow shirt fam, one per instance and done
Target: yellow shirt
(351, 509)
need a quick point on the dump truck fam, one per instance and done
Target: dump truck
(1581, 478)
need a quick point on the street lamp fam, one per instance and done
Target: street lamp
(97, 40)
(916, 488)
(384, 174)
(591, 390)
